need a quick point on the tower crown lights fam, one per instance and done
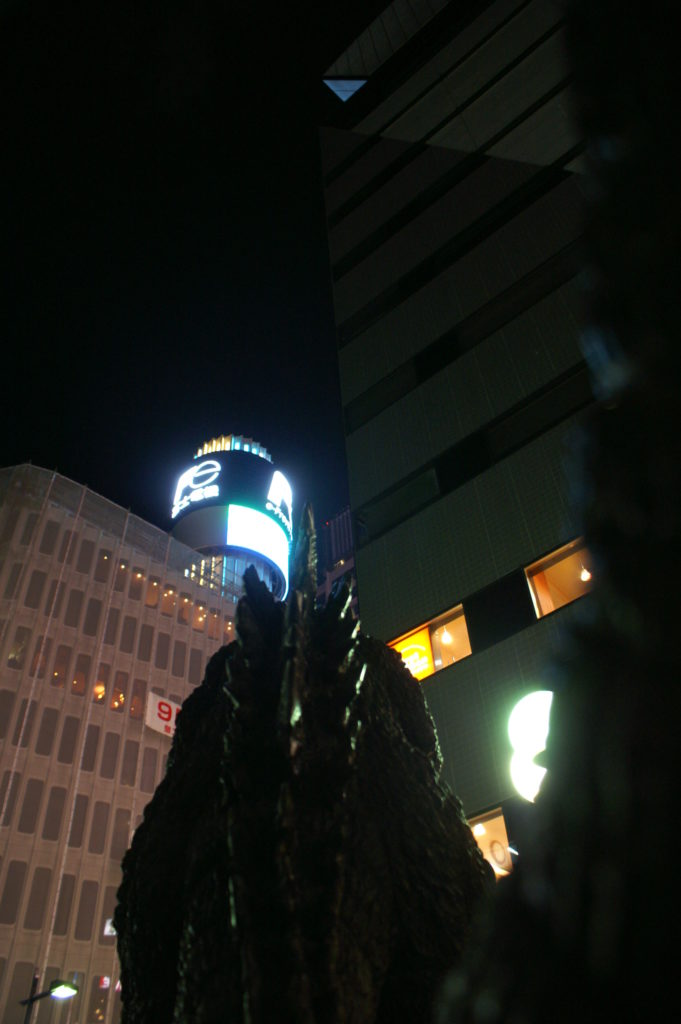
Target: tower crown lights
(233, 443)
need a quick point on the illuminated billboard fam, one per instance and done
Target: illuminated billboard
(254, 531)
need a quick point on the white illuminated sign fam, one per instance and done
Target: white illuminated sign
(247, 528)
(280, 499)
(528, 728)
(161, 714)
(196, 484)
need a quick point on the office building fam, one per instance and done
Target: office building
(106, 625)
(454, 192)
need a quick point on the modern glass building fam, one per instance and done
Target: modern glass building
(454, 191)
(107, 623)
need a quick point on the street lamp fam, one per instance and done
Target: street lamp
(58, 990)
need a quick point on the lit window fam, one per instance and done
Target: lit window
(184, 609)
(214, 625)
(435, 645)
(139, 690)
(118, 692)
(61, 665)
(168, 600)
(490, 834)
(136, 581)
(560, 578)
(153, 591)
(99, 689)
(199, 617)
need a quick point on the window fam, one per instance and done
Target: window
(11, 520)
(30, 807)
(86, 911)
(54, 812)
(435, 645)
(74, 607)
(100, 820)
(145, 641)
(111, 626)
(106, 936)
(92, 617)
(148, 780)
(107, 768)
(214, 625)
(128, 634)
(16, 656)
(67, 547)
(78, 821)
(122, 574)
(55, 597)
(162, 649)
(228, 630)
(199, 617)
(29, 527)
(13, 891)
(37, 899)
(49, 538)
(87, 761)
(46, 733)
(490, 834)
(103, 565)
(168, 601)
(25, 722)
(85, 556)
(9, 789)
(80, 675)
(64, 904)
(6, 706)
(41, 656)
(137, 698)
(129, 764)
(184, 609)
(560, 578)
(153, 591)
(100, 986)
(12, 580)
(120, 834)
(179, 658)
(136, 582)
(34, 590)
(101, 683)
(118, 692)
(195, 666)
(69, 735)
(60, 669)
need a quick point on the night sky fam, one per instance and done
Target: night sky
(165, 272)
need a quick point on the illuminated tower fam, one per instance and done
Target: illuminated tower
(234, 508)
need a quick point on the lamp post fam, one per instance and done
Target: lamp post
(58, 990)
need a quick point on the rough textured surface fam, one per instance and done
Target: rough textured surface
(302, 860)
(586, 929)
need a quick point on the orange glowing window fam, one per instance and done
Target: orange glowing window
(560, 578)
(435, 645)
(416, 652)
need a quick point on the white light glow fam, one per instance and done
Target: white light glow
(196, 484)
(255, 531)
(280, 499)
(63, 990)
(528, 728)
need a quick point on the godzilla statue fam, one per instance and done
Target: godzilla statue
(302, 861)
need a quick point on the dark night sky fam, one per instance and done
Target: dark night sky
(165, 271)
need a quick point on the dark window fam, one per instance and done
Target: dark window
(128, 634)
(54, 812)
(86, 911)
(78, 821)
(60, 669)
(81, 674)
(148, 780)
(107, 768)
(67, 547)
(46, 733)
(136, 582)
(69, 735)
(34, 590)
(195, 666)
(37, 900)
(106, 938)
(129, 765)
(145, 641)
(41, 656)
(100, 819)
(16, 657)
(64, 904)
(49, 537)
(10, 781)
(25, 722)
(74, 607)
(119, 692)
(17, 989)
(29, 527)
(85, 556)
(12, 580)
(87, 763)
(103, 565)
(101, 683)
(92, 616)
(111, 626)
(179, 658)
(6, 706)
(137, 700)
(55, 597)
(30, 807)
(162, 649)
(8, 527)
(13, 891)
(121, 834)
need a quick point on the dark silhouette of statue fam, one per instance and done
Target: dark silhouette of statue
(302, 861)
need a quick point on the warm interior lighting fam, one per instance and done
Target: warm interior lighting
(446, 637)
(479, 829)
(491, 836)
(99, 691)
(585, 575)
(559, 578)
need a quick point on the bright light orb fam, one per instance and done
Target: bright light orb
(528, 729)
